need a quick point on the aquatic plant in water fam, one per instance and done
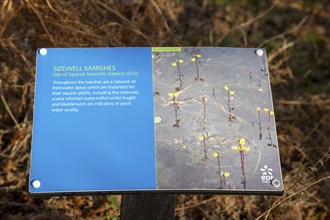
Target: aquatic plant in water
(204, 99)
(217, 155)
(241, 148)
(222, 175)
(269, 113)
(195, 58)
(230, 94)
(177, 64)
(259, 86)
(174, 95)
(203, 138)
(259, 123)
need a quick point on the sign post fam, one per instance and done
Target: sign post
(147, 206)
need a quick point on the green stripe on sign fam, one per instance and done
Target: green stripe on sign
(166, 49)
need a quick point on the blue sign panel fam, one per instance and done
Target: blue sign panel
(93, 121)
(153, 119)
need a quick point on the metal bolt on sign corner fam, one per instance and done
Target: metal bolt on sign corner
(36, 184)
(43, 51)
(276, 182)
(259, 52)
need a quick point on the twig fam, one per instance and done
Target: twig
(280, 50)
(244, 36)
(84, 32)
(288, 197)
(51, 7)
(247, 23)
(42, 22)
(134, 28)
(7, 5)
(7, 107)
(165, 22)
(20, 52)
(284, 33)
(309, 169)
(314, 129)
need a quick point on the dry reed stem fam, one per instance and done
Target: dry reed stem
(134, 28)
(42, 22)
(165, 22)
(309, 170)
(247, 23)
(288, 197)
(8, 108)
(292, 30)
(279, 51)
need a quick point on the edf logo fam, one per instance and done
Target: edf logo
(267, 174)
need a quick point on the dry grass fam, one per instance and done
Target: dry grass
(295, 34)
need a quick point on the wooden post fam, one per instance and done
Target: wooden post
(147, 206)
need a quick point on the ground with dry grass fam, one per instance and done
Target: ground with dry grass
(295, 34)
